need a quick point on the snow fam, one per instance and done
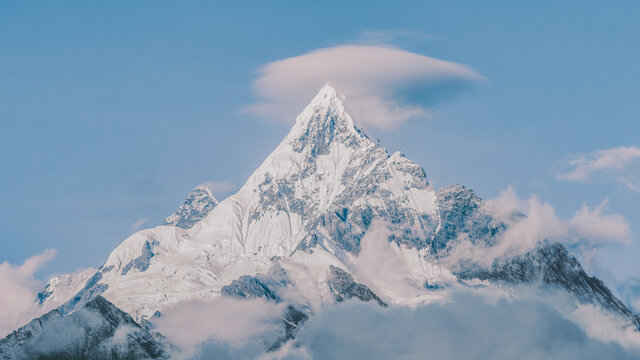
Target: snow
(60, 288)
(325, 165)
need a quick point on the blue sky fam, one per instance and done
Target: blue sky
(111, 112)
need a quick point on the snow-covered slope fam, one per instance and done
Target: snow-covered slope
(309, 204)
(61, 288)
(299, 223)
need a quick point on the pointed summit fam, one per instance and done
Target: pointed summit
(323, 122)
(327, 97)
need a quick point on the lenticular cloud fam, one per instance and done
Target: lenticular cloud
(385, 86)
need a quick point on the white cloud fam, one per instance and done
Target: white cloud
(224, 319)
(381, 265)
(18, 291)
(596, 226)
(606, 326)
(384, 86)
(466, 327)
(589, 227)
(469, 325)
(619, 164)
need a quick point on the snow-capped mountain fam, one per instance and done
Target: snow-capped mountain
(299, 222)
(309, 204)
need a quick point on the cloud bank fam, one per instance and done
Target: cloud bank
(384, 86)
(225, 320)
(588, 229)
(619, 164)
(465, 327)
(18, 290)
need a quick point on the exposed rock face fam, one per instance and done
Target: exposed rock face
(98, 330)
(345, 287)
(547, 266)
(249, 287)
(461, 212)
(551, 265)
(197, 205)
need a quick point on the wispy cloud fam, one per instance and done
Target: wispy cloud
(227, 319)
(18, 291)
(465, 327)
(384, 86)
(590, 227)
(619, 164)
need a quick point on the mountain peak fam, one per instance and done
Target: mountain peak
(323, 122)
(327, 94)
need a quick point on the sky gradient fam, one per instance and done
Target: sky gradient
(112, 112)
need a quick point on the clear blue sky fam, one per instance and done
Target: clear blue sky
(111, 112)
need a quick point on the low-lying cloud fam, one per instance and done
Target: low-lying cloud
(619, 165)
(18, 291)
(465, 327)
(384, 86)
(382, 267)
(590, 228)
(221, 320)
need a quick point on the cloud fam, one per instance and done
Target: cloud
(138, 224)
(466, 327)
(382, 267)
(384, 86)
(395, 272)
(619, 164)
(606, 326)
(596, 226)
(470, 324)
(227, 320)
(589, 228)
(18, 291)
(220, 187)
